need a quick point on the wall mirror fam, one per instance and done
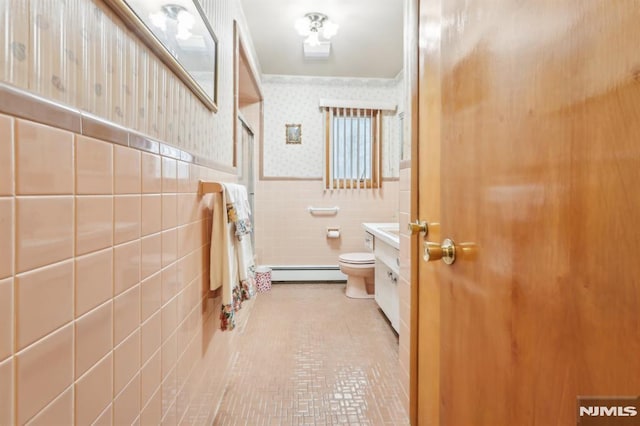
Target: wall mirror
(180, 34)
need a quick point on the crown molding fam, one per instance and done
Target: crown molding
(331, 81)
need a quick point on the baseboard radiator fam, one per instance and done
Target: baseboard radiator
(285, 273)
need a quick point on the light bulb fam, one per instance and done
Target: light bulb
(184, 25)
(329, 29)
(185, 19)
(313, 39)
(159, 20)
(302, 26)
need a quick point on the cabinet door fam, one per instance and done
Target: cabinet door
(387, 293)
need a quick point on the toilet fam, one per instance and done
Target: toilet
(360, 270)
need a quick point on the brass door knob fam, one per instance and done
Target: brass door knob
(445, 251)
(421, 226)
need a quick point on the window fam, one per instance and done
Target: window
(352, 148)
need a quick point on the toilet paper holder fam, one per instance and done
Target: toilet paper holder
(333, 232)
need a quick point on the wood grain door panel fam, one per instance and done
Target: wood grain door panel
(539, 136)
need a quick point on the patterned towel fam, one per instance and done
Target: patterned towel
(238, 215)
(224, 269)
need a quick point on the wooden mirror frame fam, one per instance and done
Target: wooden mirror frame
(133, 21)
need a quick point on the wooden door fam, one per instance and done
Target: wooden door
(529, 148)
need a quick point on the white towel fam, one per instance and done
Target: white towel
(237, 195)
(232, 261)
(223, 266)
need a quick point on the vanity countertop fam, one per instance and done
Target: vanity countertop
(386, 232)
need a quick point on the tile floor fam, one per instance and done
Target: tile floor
(308, 355)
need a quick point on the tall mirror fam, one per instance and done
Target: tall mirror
(180, 34)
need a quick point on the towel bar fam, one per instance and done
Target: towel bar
(333, 210)
(209, 187)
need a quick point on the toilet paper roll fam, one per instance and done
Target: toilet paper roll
(333, 234)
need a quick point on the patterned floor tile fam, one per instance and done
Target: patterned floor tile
(309, 355)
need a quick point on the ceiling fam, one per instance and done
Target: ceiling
(368, 43)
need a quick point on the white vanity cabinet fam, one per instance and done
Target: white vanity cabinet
(387, 272)
(383, 240)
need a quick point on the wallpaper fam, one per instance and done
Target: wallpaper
(79, 53)
(294, 100)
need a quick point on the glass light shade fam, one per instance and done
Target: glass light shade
(302, 26)
(185, 20)
(185, 24)
(313, 39)
(329, 29)
(183, 34)
(159, 20)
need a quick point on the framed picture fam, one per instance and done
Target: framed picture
(294, 133)
(179, 33)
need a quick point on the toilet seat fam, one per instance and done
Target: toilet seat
(357, 258)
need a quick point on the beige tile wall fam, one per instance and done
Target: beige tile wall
(104, 315)
(102, 247)
(105, 311)
(287, 234)
(404, 284)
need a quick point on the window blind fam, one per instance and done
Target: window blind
(353, 148)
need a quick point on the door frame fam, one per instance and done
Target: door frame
(423, 63)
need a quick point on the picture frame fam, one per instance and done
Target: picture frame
(180, 34)
(293, 133)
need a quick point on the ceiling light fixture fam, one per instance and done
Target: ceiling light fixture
(313, 25)
(184, 21)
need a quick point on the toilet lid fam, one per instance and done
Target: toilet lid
(357, 258)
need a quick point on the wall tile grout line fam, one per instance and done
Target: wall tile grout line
(14, 267)
(183, 224)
